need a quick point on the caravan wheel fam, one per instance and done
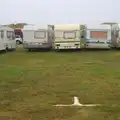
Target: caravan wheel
(17, 42)
(29, 50)
(6, 49)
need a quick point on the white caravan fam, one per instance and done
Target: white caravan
(115, 35)
(7, 38)
(69, 36)
(36, 37)
(98, 36)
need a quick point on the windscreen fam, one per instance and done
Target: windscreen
(98, 35)
(39, 34)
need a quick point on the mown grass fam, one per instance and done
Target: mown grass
(32, 82)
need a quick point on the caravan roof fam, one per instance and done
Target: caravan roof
(98, 26)
(35, 27)
(6, 28)
(67, 26)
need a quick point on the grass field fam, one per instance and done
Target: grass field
(31, 82)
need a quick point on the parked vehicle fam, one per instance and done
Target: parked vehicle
(7, 38)
(36, 37)
(98, 36)
(18, 31)
(115, 35)
(68, 36)
(18, 39)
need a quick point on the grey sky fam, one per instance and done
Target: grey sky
(59, 11)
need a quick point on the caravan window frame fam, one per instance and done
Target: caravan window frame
(64, 32)
(60, 32)
(12, 36)
(2, 34)
(73, 31)
(40, 31)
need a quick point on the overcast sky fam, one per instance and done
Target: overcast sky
(59, 11)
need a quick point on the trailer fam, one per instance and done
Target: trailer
(36, 37)
(98, 36)
(7, 38)
(69, 36)
(115, 30)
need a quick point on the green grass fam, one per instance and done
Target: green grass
(31, 82)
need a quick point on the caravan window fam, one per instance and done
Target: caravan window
(69, 34)
(39, 34)
(13, 35)
(2, 34)
(10, 35)
(98, 34)
(58, 34)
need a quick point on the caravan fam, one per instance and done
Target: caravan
(98, 36)
(115, 35)
(7, 38)
(35, 37)
(69, 36)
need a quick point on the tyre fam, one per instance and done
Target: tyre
(17, 42)
(29, 50)
(6, 49)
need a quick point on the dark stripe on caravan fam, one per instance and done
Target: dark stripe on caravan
(65, 41)
(94, 42)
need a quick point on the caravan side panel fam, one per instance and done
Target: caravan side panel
(10, 39)
(29, 41)
(2, 46)
(34, 39)
(116, 35)
(50, 35)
